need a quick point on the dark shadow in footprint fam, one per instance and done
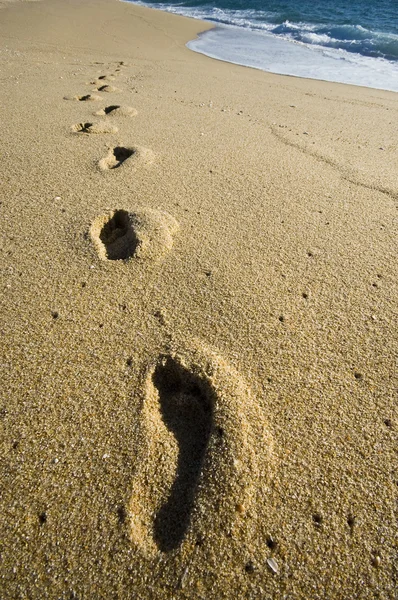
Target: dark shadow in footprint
(186, 405)
(87, 98)
(109, 109)
(118, 237)
(117, 156)
(117, 110)
(82, 127)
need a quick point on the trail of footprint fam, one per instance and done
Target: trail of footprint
(116, 110)
(96, 128)
(86, 98)
(202, 450)
(126, 156)
(142, 235)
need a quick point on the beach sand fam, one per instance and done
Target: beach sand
(198, 318)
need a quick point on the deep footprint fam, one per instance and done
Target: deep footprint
(116, 110)
(86, 98)
(95, 128)
(117, 156)
(186, 409)
(108, 89)
(122, 235)
(135, 156)
(118, 237)
(204, 455)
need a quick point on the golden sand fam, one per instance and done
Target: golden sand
(199, 310)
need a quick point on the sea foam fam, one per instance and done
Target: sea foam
(265, 51)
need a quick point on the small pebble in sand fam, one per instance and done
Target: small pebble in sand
(358, 376)
(240, 508)
(273, 565)
(249, 567)
(57, 198)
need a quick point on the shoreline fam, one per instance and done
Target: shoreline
(197, 316)
(272, 54)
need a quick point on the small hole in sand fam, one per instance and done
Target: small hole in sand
(129, 362)
(271, 543)
(358, 376)
(249, 567)
(317, 518)
(15, 445)
(282, 319)
(119, 238)
(54, 314)
(351, 521)
(42, 518)
(305, 296)
(121, 514)
(387, 422)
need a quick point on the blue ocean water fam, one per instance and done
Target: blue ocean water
(351, 41)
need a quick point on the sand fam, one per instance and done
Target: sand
(198, 318)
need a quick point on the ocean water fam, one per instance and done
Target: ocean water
(349, 41)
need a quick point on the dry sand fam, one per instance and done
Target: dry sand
(198, 328)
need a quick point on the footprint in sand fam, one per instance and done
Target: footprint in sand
(116, 110)
(123, 235)
(95, 128)
(126, 156)
(109, 89)
(202, 449)
(86, 98)
(103, 79)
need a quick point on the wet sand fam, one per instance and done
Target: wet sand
(198, 318)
